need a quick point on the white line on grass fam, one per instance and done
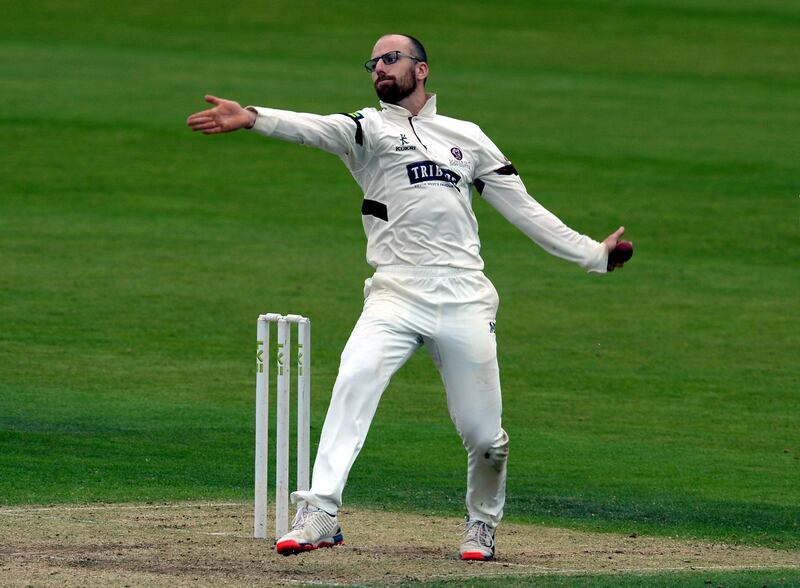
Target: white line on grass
(32, 509)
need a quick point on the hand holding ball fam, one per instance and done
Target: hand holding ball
(621, 253)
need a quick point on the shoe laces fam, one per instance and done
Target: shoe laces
(301, 516)
(478, 531)
(305, 517)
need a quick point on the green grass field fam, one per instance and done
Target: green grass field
(135, 255)
(762, 579)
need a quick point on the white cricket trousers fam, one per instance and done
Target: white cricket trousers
(452, 312)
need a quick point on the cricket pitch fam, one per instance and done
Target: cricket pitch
(211, 544)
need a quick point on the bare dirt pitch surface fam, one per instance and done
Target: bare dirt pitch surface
(211, 544)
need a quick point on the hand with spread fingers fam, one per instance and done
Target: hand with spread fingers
(226, 116)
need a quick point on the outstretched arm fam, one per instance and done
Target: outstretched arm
(507, 194)
(498, 182)
(226, 116)
(342, 134)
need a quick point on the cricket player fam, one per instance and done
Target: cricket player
(417, 169)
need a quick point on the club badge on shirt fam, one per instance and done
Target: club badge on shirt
(458, 158)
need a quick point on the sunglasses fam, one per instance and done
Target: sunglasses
(388, 58)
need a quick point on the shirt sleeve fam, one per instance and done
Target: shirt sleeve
(499, 184)
(342, 134)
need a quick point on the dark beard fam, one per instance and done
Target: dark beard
(395, 92)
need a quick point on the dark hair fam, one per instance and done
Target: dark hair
(416, 48)
(418, 51)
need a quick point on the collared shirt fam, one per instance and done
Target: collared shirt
(417, 174)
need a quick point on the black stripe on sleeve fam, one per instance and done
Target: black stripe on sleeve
(374, 208)
(507, 170)
(356, 118)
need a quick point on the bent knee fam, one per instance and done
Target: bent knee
(493, 451)
(497, 453)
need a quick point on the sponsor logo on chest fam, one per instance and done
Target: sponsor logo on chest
(428, 171)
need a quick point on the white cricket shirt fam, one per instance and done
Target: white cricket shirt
(417, 174)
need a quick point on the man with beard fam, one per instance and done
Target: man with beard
(416, 169)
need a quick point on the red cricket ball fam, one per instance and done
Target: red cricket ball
(622, 253)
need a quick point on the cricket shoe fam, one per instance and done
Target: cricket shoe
(478, 543)
(312, 528)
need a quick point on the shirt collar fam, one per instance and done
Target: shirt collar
(428, 110)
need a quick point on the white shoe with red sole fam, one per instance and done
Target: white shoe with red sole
(478, 543)
(312, 528)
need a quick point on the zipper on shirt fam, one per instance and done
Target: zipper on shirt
(411, 122)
